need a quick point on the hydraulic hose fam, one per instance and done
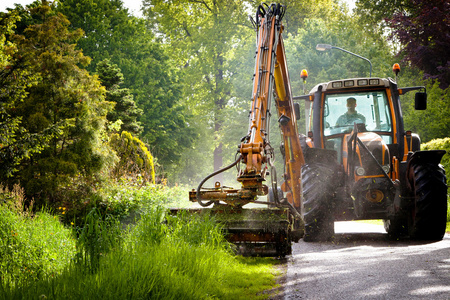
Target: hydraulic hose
(199, 200)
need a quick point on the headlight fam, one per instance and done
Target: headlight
(386, 169)
(360, 171)
(337, 84)
(362, 82)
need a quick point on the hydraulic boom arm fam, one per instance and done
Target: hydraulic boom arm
(271, 75)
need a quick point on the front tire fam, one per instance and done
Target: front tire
(429, 185)
(396, 228)
(318, 190)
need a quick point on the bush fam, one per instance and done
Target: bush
(135, 159)
(124, 199)
(442, 144)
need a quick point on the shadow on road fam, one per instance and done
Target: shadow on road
(366, 265)
(373, 239)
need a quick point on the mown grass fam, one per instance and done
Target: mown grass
(157, 257)
(380, 222)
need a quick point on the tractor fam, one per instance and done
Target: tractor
(361, 163)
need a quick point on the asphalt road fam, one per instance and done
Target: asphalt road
(362, 263)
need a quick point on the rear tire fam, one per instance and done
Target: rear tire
(318, 190)
(429, 185)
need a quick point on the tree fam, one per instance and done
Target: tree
(112, 33)
(421, 26)
(424, 32)
(125, 108)
(375, 12)
(66, 106)
(298, 11)
(434, 122)
(202, 37)
(334, 64)
(16, 142)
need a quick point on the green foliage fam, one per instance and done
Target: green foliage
(148, 72)
(65, 108)
(16, 75)
(135, 159)
(126, 200)
(202, 38)
(334, 64)
(434, 122)
(375, 12)
(96, 238)
(32, 247)
(297, 12)
(184, 257)
(442, 144)
(125, 108)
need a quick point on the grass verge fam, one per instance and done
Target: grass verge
(158, 258)
(380, 222)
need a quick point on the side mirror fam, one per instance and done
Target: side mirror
(420, 101)
(297, 111)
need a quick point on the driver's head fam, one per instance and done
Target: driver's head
(351, 104)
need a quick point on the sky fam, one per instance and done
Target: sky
(133, 5)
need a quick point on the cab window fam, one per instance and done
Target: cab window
(342, 111)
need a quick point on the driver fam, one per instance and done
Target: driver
(351, 116)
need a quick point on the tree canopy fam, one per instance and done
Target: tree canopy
(16, 74)
(180, 78)
(112, 33)
(64, 108)
(421, 27)
(125, 110)
(203, 37)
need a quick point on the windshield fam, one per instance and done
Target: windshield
(369, 108)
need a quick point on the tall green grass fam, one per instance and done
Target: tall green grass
(32, 247)
(160, 257)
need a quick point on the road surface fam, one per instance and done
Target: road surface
(362, 263)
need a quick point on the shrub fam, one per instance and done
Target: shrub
(135, 159)
(123, 199)
(442, 144)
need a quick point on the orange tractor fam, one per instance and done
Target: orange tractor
(363, 166)
(361, 163)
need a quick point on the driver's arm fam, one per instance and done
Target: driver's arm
(340, 121)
